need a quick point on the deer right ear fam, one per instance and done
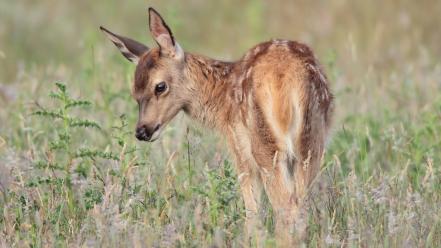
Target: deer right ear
(131, 49)
(163, 35)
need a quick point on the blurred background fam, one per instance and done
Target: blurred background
(371, 46)
(383, 62)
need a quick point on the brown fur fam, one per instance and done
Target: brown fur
(273, 106)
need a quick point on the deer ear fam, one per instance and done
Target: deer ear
(163, 35)
(131, 49)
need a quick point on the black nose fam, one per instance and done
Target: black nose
(144, 133)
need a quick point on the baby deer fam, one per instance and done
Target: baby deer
(273, 105)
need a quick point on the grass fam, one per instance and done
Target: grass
(72, 173)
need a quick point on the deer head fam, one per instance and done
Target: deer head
(159, 82)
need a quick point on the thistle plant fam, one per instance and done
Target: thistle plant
(64, 158)
(220, 191)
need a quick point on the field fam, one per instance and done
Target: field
(73, 174)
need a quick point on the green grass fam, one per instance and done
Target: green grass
(72, 173)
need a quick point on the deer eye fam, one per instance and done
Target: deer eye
(161, 87)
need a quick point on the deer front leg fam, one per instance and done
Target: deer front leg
(251, 188)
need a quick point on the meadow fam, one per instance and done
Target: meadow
(72, 173)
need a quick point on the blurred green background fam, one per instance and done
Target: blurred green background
(383, 159)
(367, 42)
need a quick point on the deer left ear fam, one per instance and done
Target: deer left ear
(129, 48)
(163, 35)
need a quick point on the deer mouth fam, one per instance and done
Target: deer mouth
(143, 133)
(156, 134)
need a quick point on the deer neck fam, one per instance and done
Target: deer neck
(211, 91)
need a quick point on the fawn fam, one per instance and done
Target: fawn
(273, 105)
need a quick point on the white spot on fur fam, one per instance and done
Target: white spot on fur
(280, 41)
(323, 94)
(275, 158)
(307, 161)
(242, 175)
(322, 78)
(257, 50)
(247, 76)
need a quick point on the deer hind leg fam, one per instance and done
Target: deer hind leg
(306, 169)
(250, 184)
(279, 188)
